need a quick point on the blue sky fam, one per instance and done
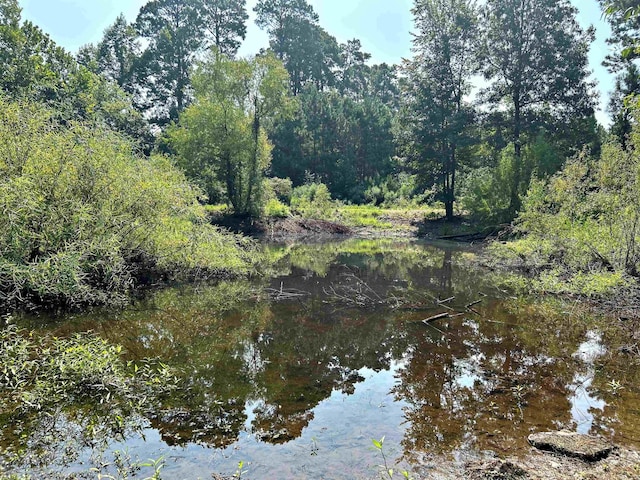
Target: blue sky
(383, 26)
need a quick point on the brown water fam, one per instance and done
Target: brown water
(296, 375)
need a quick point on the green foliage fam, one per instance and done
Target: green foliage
(486, 191)
(363, 216)
(40, 373)
(435, 119)
(173, 33)
(33, 67)
(583, 225)
(624, 17)
(83, 378)
(225, 24)
(305, 48)
(275, 208)
(87, 220)
(533, 75)
(343, 139)
(312, 200)
(397, 190)
(280, 188)
(221, 139)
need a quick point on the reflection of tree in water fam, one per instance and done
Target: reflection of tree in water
(485, 384)
(244, 357)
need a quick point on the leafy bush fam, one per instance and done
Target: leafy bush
(84, 220)
(312, 200)
(582, 226)
(280, 188)
(485, 192)
(275, 208)
(58, 396)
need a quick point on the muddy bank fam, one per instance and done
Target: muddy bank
(622, 464)
(283, 228)
(460, 229)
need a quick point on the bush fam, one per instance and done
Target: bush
(485, 192)
(313, 201)
(86, 220)
(279, 188)
(275, 208)
(582, 226)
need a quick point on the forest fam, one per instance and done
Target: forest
(114, 159)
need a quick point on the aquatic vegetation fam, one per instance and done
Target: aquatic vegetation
(58, 396)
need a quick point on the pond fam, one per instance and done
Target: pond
(295, 375)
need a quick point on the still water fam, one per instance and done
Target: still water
(296, 374)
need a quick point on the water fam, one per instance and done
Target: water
(295, 375)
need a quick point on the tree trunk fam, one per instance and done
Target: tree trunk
(514, 204)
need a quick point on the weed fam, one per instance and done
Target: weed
(388, 471)
(240, 471)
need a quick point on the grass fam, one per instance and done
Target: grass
(379, 218)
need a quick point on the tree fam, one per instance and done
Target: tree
(221, 137)
(535, 54)
(33, 67)
(31, 63)
(354, 71)
(276, 16)
(173, 30)
(118, 52)
(437, 80)
(627, 85)
(225, 24)
(624, 17)
(308, 52)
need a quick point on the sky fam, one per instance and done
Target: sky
(383, 26)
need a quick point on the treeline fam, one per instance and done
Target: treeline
(495, 99)
(359, 128)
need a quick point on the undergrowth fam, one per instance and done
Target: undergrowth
(84, 220)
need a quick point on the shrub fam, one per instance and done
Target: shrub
(275, 208)
(85, 219)
(313, 201)
(582, 226)
(280, 188)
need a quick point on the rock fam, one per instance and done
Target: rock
(495, 470)
(584, 447)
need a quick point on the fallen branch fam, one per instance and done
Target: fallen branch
(440, 316)
(472, 304)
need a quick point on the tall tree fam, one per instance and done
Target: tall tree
(624, 17)
(221, 138)
(225, 24)
(437, 80)
(535, 54)
(627, 85)
(174, 33)
(118, 52)
(277, 16)
(308, 52)
(354, 71)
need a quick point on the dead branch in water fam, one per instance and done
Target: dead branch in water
(285, 293)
